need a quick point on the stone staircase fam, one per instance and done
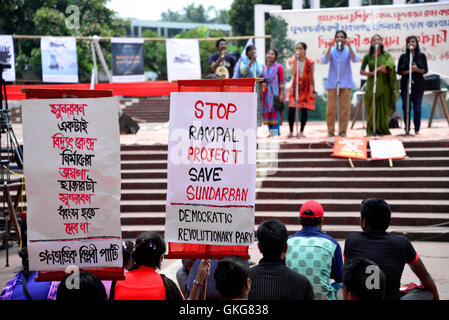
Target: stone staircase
(417, 188)
(147, 109)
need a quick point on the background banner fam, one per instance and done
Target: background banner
(211, 168)
(127, 60)
(59, 59)
(428, 22)
(7, 57)
(72, 179)
(183, 59)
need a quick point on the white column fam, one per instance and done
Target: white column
(259, 27)
(355, 3)
(314, 4)
(297, 4)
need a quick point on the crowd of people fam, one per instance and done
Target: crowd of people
(380, 96)
(308, 265)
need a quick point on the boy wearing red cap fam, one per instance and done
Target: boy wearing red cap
(315, 254)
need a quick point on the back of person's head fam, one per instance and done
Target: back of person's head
(363, 280)
(272, 236)
(376, 213)
(127, 249)
(231, 276)
(311, 214)
(81, 286)
(148, 250)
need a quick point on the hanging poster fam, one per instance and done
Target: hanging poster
(183, 59)
(127, 60)
(7, 57)
(211, 168)
(72, 179)
(59, 59)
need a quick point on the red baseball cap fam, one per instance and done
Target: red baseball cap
(311, 209)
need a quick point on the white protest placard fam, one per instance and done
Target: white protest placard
(72, 179)
(183, 59)
(59, 59)
(386, 149)
(7, 57)
(211, 168)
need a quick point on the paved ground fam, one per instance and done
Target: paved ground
(434, 254)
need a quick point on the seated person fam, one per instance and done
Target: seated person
(315, 254)
(391, 252)
(363, 280)
(85, 287)
(232, 278)
(142, 281)
(271, 279)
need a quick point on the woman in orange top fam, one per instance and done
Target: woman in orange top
(306, 87)
(142, 281)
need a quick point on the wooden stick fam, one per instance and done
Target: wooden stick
(390, 161)
(350, 162)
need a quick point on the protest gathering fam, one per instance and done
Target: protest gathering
(246, 151)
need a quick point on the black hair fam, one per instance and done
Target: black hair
(407, 50)
(341, 31)
(249, 48)
(376, 213)
(276, 53)
(272, 236)
(218, 42)
(127, 249)
(371, 48)
(303, 44)
(231, 274)
(310, 222)
(148, 250)
(357, 275)
(90, 288)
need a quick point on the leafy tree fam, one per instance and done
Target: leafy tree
(49, 17)
(192, 13)
(172, 16)
(155, 57)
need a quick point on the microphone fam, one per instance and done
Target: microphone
(411, 47)
(339, 45)
(377, 46)
(297, 56)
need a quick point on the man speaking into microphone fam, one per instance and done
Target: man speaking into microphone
(339, 82)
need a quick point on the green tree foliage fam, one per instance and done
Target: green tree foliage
(241, 14)
(155, 57)
(49, 17)
(199, 14)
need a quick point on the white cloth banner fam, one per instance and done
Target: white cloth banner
(183, 59)
(127, 60)
(72, 179)
(59, 59)
(211, 168)
(428, 22)
(7, 57)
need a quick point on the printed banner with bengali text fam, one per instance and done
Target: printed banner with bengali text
(127, 60)
(72, 179)
(59, 59)
(7, 57)
(183, 59)
(428, 22)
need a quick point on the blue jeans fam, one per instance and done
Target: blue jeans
(415, 106)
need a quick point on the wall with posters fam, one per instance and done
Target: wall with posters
(72, 179)
(211, 168)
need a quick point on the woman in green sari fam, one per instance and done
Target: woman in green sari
(387, 87)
